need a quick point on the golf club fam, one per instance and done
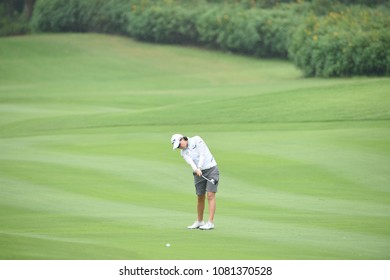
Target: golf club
(212, 181)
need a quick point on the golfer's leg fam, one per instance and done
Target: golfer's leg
(212, 205)
(201, 200)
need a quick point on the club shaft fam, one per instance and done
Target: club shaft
(211, 181)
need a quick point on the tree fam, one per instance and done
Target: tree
(28, 8)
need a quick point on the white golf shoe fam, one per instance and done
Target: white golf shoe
(207, 226)
(196, 225)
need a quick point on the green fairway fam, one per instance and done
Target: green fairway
(87, 169)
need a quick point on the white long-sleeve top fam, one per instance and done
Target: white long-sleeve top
(197, 154)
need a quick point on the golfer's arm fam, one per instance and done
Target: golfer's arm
(190, 162)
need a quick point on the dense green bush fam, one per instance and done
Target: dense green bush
(275, 27)
(253, 3)
(60, 16)
(12, 22)
(108, 16)
(362, 2)
(229, 28)
(9, 26)
(256, 32)
(354, 41)
(64, 16)
(167, 23)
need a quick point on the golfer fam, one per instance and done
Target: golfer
(196, 153)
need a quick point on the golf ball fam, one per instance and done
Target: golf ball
(168, 245)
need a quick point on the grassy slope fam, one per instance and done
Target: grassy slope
(87, 172)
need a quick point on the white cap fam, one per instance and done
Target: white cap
(175, 140)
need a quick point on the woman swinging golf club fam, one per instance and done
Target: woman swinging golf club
(206, 175)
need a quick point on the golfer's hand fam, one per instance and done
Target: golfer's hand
(198, 172)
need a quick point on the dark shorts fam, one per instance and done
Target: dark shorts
(202, 185)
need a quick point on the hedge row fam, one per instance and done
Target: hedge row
(174, 24)
(12, 22)
(339, 40)
(249, 31)
(106, 16)
(353, 41)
